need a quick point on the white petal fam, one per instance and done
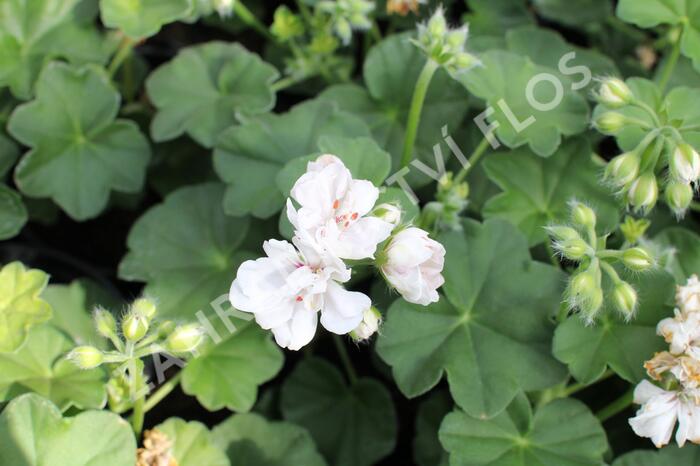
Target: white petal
(361, 197)
(361, 238)
(298, 331)
(645, 391)
(343, 310)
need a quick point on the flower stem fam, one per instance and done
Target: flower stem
(474, 158)
(578, 386)
(419, 92)
(670, 64)
(616, 406)
(345, 359)
(251, 20)
(125, 48)
(162, 392)
(139, 412)
(288, 81)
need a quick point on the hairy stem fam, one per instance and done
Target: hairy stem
(670, 64)
(162, 392)
(414, 112)
(474, 158)
(125, 48)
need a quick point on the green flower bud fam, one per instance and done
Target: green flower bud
(184, 339)
(286, 25)
(623, 169)
(637, 259)
(633, 229)
(456, 38)
(437, 26)
(684, 163)
(145, 307)
(610, 122)
(464, 61)
(679, 196)
(166, 328)
(86, 357)
(134, 326)
(562, 233)
(584, 292)
(625, 298)
(105, 323)
(573, 249)
(388, 212)
(371, 320)
(614, 93)
(644, 192)
(582, 215)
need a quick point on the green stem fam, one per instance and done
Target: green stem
(608, 254)
(616, 23)
(162, 392)
(375, 32)
(288, 81)
(251, 20)
(474, 158)
(125, 48)
(578, 386)
(414, 112)
(616, 406)
(345, 359)
(139, 413)
(670, 64)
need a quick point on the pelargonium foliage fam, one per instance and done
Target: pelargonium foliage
(349, 232)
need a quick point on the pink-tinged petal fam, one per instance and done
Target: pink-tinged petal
(342, 309)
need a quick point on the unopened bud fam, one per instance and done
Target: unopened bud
(224, 7)
(625, 299)
(165, 329)
(388, 212)
(573, 249)
(633, 229)
(456, 39)
(679, 196)
(86, 357)
(623, 169)
(562, 233)
(437, 26)
(585, 292)
(464, 60)
(105, 323)
(184, 339)
(685, 163)
(371, 320)
(610, 122)
(146, 307)
(583, 215)
(614, 93)
(134, 326)
(637, 259)
(644, 192)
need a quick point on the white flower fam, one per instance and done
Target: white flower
(688, 296)
(286, 290)
(333, 210)
(414, 265)
(660, 411)
(681, 331)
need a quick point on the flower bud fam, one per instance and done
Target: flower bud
(562, 233)
(614, 93)
(637, 259)
(105, 323)
(623, 169)
(371, 320)
(584, 292)
(437, 26)
(644, 192)
(224, 7)
(573, 249)
(456, 39)
(86, 357)
(166, 328)
(145, 307)
(685, 163)
(184, 339)
(610, 122)
(464, 61)
(625, 298)
(633, 229)
(388, 212)
(582, 215)
(134, 326)
(679, 196)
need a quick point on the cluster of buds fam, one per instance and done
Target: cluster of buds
(347, 15)
(451, 200)
(676, 372)
(661, 159)
(135, 337)
(580, 243)
(445, 46)
(286, 25)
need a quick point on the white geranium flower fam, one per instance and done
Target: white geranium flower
(413, 265)
(660, 411)
(681, 332)
(688, 296)
(287, 289)
(334, 207)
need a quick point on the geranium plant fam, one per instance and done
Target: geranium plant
(349, 232)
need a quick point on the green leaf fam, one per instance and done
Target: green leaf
(491, 334)
(427, 450)
(352, 424)
(32, 32)
(246, 440)
(71, 314)
(651, 13)
(40, 366)
(201, 91)
(580, 13)
(536, 190)
(33, 433)
(687, 456)
(228, 373)
(363, 157)
(192, 443)
(80, 151)
(561, 433)
(186, 264)
(142, 18)
(496, 17)
(504, 77)
(249, 157)
(9, 152)
(612, 342)
(684, 259)
(21, 308)
(13, 213)
(390, 71)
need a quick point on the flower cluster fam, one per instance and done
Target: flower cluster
(335, 220)
(678, 373)
(445, 46)
(580, 243)
(347, 15)
(662, 158)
